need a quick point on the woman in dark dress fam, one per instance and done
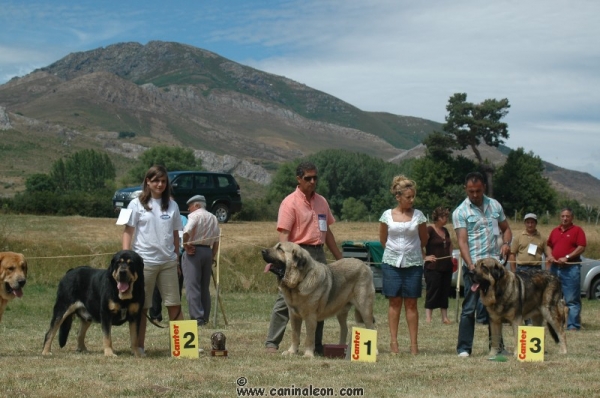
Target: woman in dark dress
(438, 266)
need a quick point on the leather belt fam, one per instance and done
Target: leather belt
(313, 246)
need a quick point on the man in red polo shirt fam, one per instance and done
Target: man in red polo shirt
(563, 249)
(304, 218)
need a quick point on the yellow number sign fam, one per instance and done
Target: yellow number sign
(531, 344)
(363, 345)
(184, 339)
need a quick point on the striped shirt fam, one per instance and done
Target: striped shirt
(482, 226)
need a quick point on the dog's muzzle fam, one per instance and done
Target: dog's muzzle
(16, 290)
(280, 272)
(273, 266)
(123, 279)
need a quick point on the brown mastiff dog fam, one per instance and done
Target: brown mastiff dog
(513, 297)
(13, 276)
(315, 291)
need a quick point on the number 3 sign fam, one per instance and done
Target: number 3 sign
(530, 346)
(184, 339)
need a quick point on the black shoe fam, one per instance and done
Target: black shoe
(319, 352)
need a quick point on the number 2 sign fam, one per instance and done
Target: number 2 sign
(184, 339)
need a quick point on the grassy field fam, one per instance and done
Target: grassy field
(54, 244)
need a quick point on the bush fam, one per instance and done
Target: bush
(86, 204)
(257, 210)
(126, 134)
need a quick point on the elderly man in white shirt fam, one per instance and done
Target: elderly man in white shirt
(200, 242)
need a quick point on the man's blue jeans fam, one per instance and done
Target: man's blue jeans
(570, 278)
(466, 327)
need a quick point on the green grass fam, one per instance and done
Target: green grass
(437, 371)
(248, 296)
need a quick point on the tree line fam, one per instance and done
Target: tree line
(84, 182)
(356, 185)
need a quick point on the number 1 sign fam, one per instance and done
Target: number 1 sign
(363, 345)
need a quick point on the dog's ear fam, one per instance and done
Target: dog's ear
(299, 258)
(138, 260)
(497, 271)
(115, 260)
(2, 269)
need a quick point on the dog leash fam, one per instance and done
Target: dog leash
(155, 322)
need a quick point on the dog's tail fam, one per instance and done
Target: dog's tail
(562, 313)
(63, 332)
(553, 333)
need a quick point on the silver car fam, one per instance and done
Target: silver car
(590, 278)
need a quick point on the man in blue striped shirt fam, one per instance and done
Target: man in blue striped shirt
(479, 222)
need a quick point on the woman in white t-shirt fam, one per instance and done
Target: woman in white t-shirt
(153, 232)
(403, 234)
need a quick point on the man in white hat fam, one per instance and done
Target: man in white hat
(527, 247)
(200, 242)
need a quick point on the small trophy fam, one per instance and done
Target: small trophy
(217, 341)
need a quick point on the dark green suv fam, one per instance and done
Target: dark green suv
(221, 191)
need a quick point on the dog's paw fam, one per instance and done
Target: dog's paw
(309, 354)
(109, 353)
(288, 352)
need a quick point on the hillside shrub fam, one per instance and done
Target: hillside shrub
(86, 204)
(257, 210)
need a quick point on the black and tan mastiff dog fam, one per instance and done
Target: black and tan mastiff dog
(513, 297)
(13, 276)
(110, 297)
(315, 291)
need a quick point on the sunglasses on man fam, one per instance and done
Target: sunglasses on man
(310, 178)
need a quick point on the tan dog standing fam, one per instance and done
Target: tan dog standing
(514, 297)
(315, 291)
(13, 276)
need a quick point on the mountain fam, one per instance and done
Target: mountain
(127, 97)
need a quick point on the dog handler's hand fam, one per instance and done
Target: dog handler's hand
(505, 250)
(189, 249)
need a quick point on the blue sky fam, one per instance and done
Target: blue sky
(398, 56)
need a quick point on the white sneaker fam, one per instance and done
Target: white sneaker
(464, 354)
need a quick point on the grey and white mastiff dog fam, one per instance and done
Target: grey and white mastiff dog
(315, 291)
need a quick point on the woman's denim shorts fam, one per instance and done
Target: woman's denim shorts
(402, 282)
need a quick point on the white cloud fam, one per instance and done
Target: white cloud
(399, 56)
